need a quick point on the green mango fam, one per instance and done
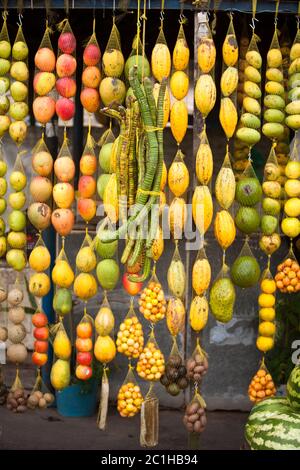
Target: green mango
(62, 301)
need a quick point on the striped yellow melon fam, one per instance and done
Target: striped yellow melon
(225, 187)
(224, 229)
(204, 163)
(179, 85)
(177, 217)
(179, 120)
(205, 94)
(198, 313)
(178, 178)
(201, 275)
(202, 208)
(228, 117)
(206, 55)
(229, 81)
(181, 54)
(161, 61)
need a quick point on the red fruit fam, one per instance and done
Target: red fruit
(90, 99)
(66, 65)
(41, 346)
(84, 330)
(66, 87)
(65, 108)
(131, 287)
(39, 359)
(67, 42)
(39, 319)
(91, 55)
(84, 358)
(41, 333)
(83, 372)
(86, 186)
(84, 344)
(87, 208)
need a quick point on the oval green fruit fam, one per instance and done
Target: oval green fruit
(106, 250)
(293, 121)
(102, 183)
(17, 180)
(17, 239)
(108, 273)
(252, 74)
(18, 110)
(20, 50)
(17, 220)
(16, 259)
(271, 206)
(143, 66)
(248, 191)
(245, 271)
(5, 49)
(250, 120)
(19, 71)
(222, 299)
(19, 91)
(247, 220)
(247, 135)
(105, 156)
(269, 224)
(4, 66)
(273, 130)
(17, 200)
(274, 115)
(62, 301)
(274, 102)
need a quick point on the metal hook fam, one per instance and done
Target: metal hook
(252, 25)
(275, 21)
(20, 16)
(182, 18)
(298, 21)
(162, 16)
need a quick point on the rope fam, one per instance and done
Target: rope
(148, 193)
(144, 18)
(138, 30)
(276, 12)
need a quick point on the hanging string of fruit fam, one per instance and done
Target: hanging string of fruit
(3, 204)
(5, 64)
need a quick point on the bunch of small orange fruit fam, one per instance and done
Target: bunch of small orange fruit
(130, 339)
(130, 400)
(151, 363)
(152, 302)
(288, 276)
(261, 386)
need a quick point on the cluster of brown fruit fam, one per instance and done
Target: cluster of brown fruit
(17, 401)
(175, 376)
(288, 276)
(197, 367)
(39, 399)
(195, 417)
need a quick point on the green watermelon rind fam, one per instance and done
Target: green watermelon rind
(293, 388)
(273, 425)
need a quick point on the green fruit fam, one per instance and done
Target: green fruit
(3, 186)
(274, 115)
(293, 108)
(60, 374)
(250, 120)
(17, 180)
(102, 183)
(3, 246)
(19, 91)
(62, 301)
(294, 80)
(16, 259)
(17, 239)
(274, 75)
(17, 221)
(245, 271)
(5, 49)
(2, 227)
(293, 388)
(273, 130)
(18, 110)
(4, 104)
(247, 135)
(271, 206)
(4, 67)
(222, 299)
(106, 250)
(269, 224)
(294, 93)
(248, 191)
(274, 102)
(17, 200)
(247, 220)
(20, 50)
(2, 205)
(3, 168)
(108, 273)
(19, 71)
(143, 65)
(293, 121)
(4, 85)
(104, 157)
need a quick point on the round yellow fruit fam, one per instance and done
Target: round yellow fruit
(86, 259)
(105, 349)
(266, 300)
(290, 227)
(292, 207)
(62, 274)
(268, 286)
(179, 84)
(267, 314)
(85, 286)
(292, 188)
(39, 259)
(274, 58)
(39, 284)
(266, 328)
(292, 170)
(264, 343)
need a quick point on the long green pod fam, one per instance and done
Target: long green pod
(127, 250)
(145, 274)
(138, 249)
(132, 142)
(148, 87)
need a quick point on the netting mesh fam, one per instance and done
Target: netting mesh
(204, 160)
(261, 385)
(176, 275)
(4, 36)
(151, 363)
(149, 420)
(288, 272)
(129, 398)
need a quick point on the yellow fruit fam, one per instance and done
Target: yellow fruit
(164, 177)
(292, 207)
(104, 321)
(110, 199)
(293, 121)
(295, 66)
(86, 259)
(161, 61)
(274, 58)
(62, 345)
(295, 51)
(39, 284)
(177, 217)
(274, 88)
(205, 94)
(202, 208)
(266, 328)
(290, 227)
(206, 55)
(251, 105)
(266, 300)
(292, 188)
(179, 120)
(62, 274)
(60, 374)
(252, 89)
(230, 50)
(130, 400)
(292, 169)
(252, 74)
(175, 316)
(267, 314)
(198, 313)
(224, 228)
(39, 259)
(201, 276)
(85, 286)
(254, 59)
(176, 278)
(204, 163)
(293, 107)
(157, 247)
(130, 338)
(181, 54)
(228, 117)
(268, 286)
(178, 178)
(264, 343)
(225, 187)
(166, 106)
(113, 62)
(229, 81)
(272, 189)
(179, 84)
(105, 349)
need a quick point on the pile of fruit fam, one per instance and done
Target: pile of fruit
(152, 302)
(195, 417)
(104, 348)
(38, 399)
(261, 386)
(174, 378)
(5, 53)
(151, 363)
(130, 338)
(86, 204)
(129, 399)
(288, 276)
(197, 366)
(91, 76)
(17, 401)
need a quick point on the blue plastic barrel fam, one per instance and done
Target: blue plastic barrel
(77, 401)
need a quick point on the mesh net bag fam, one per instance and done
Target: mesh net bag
(91, 75)
(266, 301)
(195, 418)
(40, 396)
(178, 175)
(197, 364)
(206, 50)
(149, 419)
(161, 57)
(245, 271)
(201, 274)
(261, 385)
(130, 399)
(157, 311)
(290, 224)
(225, 184)
(243, 47)
(39, 262)
(130, 337)
(66, 82)
(5, 76)
(85, 284)
(176, 275)
(288, 274)
(151, 363)
(113, 59)
(87, 184)
(84, 344)
(222, 296)
(204, 160)
(174, 378)
(181, 52)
